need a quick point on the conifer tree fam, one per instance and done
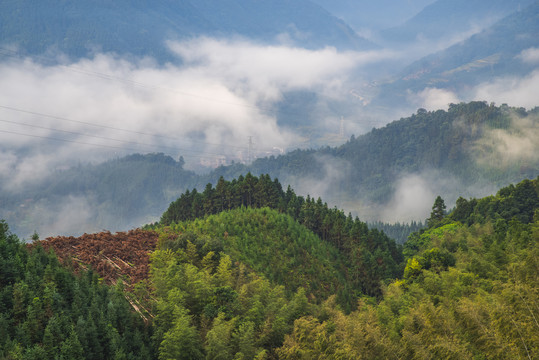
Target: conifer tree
(438, 212)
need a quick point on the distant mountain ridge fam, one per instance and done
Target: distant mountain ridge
(80, 28)
(444, 19)
(460, 144)
(374, 14)
(493, 53)
(454, 151)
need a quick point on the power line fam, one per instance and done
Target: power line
(111, 77)
(106, 138)
(114, 128)
(90, 144)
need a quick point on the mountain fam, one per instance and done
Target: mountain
(495, 52)
(446, 20)
(468, 290)
(374, 15)
(462, 151)
(115, 195)
(141, 28)
(346, 234)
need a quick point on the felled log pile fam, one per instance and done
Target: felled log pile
(122, 255)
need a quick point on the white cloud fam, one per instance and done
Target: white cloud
(412, 200)
(516, 146)
(270, 70)
(530, 56)
(433, 99)
(515, 91)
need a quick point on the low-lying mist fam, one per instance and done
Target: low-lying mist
(222, 101)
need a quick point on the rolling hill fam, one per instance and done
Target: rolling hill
(459, 152)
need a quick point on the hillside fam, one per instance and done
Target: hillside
(494, 52)
(116, 195)
(48, 312)
(467, 291)
(141, 28)
(459, 152)
(443, 20)
(462, 151)
(371, 257)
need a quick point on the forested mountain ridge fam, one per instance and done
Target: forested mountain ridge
(82, 28)
(371, 257)
(463, 143)
(444, 19)
(497, 51)
(467, 291)
(458, 152)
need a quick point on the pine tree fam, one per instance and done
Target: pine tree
(438, 212)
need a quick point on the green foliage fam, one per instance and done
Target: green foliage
(469, 292)
(371, 257)
(512, 202)
(269, 243)
(46, 312)
(438, 212)
(210, 306)
(397, 231)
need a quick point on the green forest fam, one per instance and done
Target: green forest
(459, 144)
(247, 270)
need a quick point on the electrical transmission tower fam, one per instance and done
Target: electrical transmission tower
(250, 150)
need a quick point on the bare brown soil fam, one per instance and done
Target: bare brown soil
(122, 255)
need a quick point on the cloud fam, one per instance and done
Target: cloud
(519, 91)
(415, 193)
(330, 172)
(512, 90)
(70, 216)
(270, 70)
(412, 200)
(516, 146)
(530, 56)
(224, 92)
(433, 99)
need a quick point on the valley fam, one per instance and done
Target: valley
(269, 179)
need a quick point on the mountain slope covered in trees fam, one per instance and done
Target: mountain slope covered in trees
(369, 255)
(459, 152)
(445, 19)
(497, 51)
(47, 312)
(142, 28)
(466, 144)
(467, 291)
